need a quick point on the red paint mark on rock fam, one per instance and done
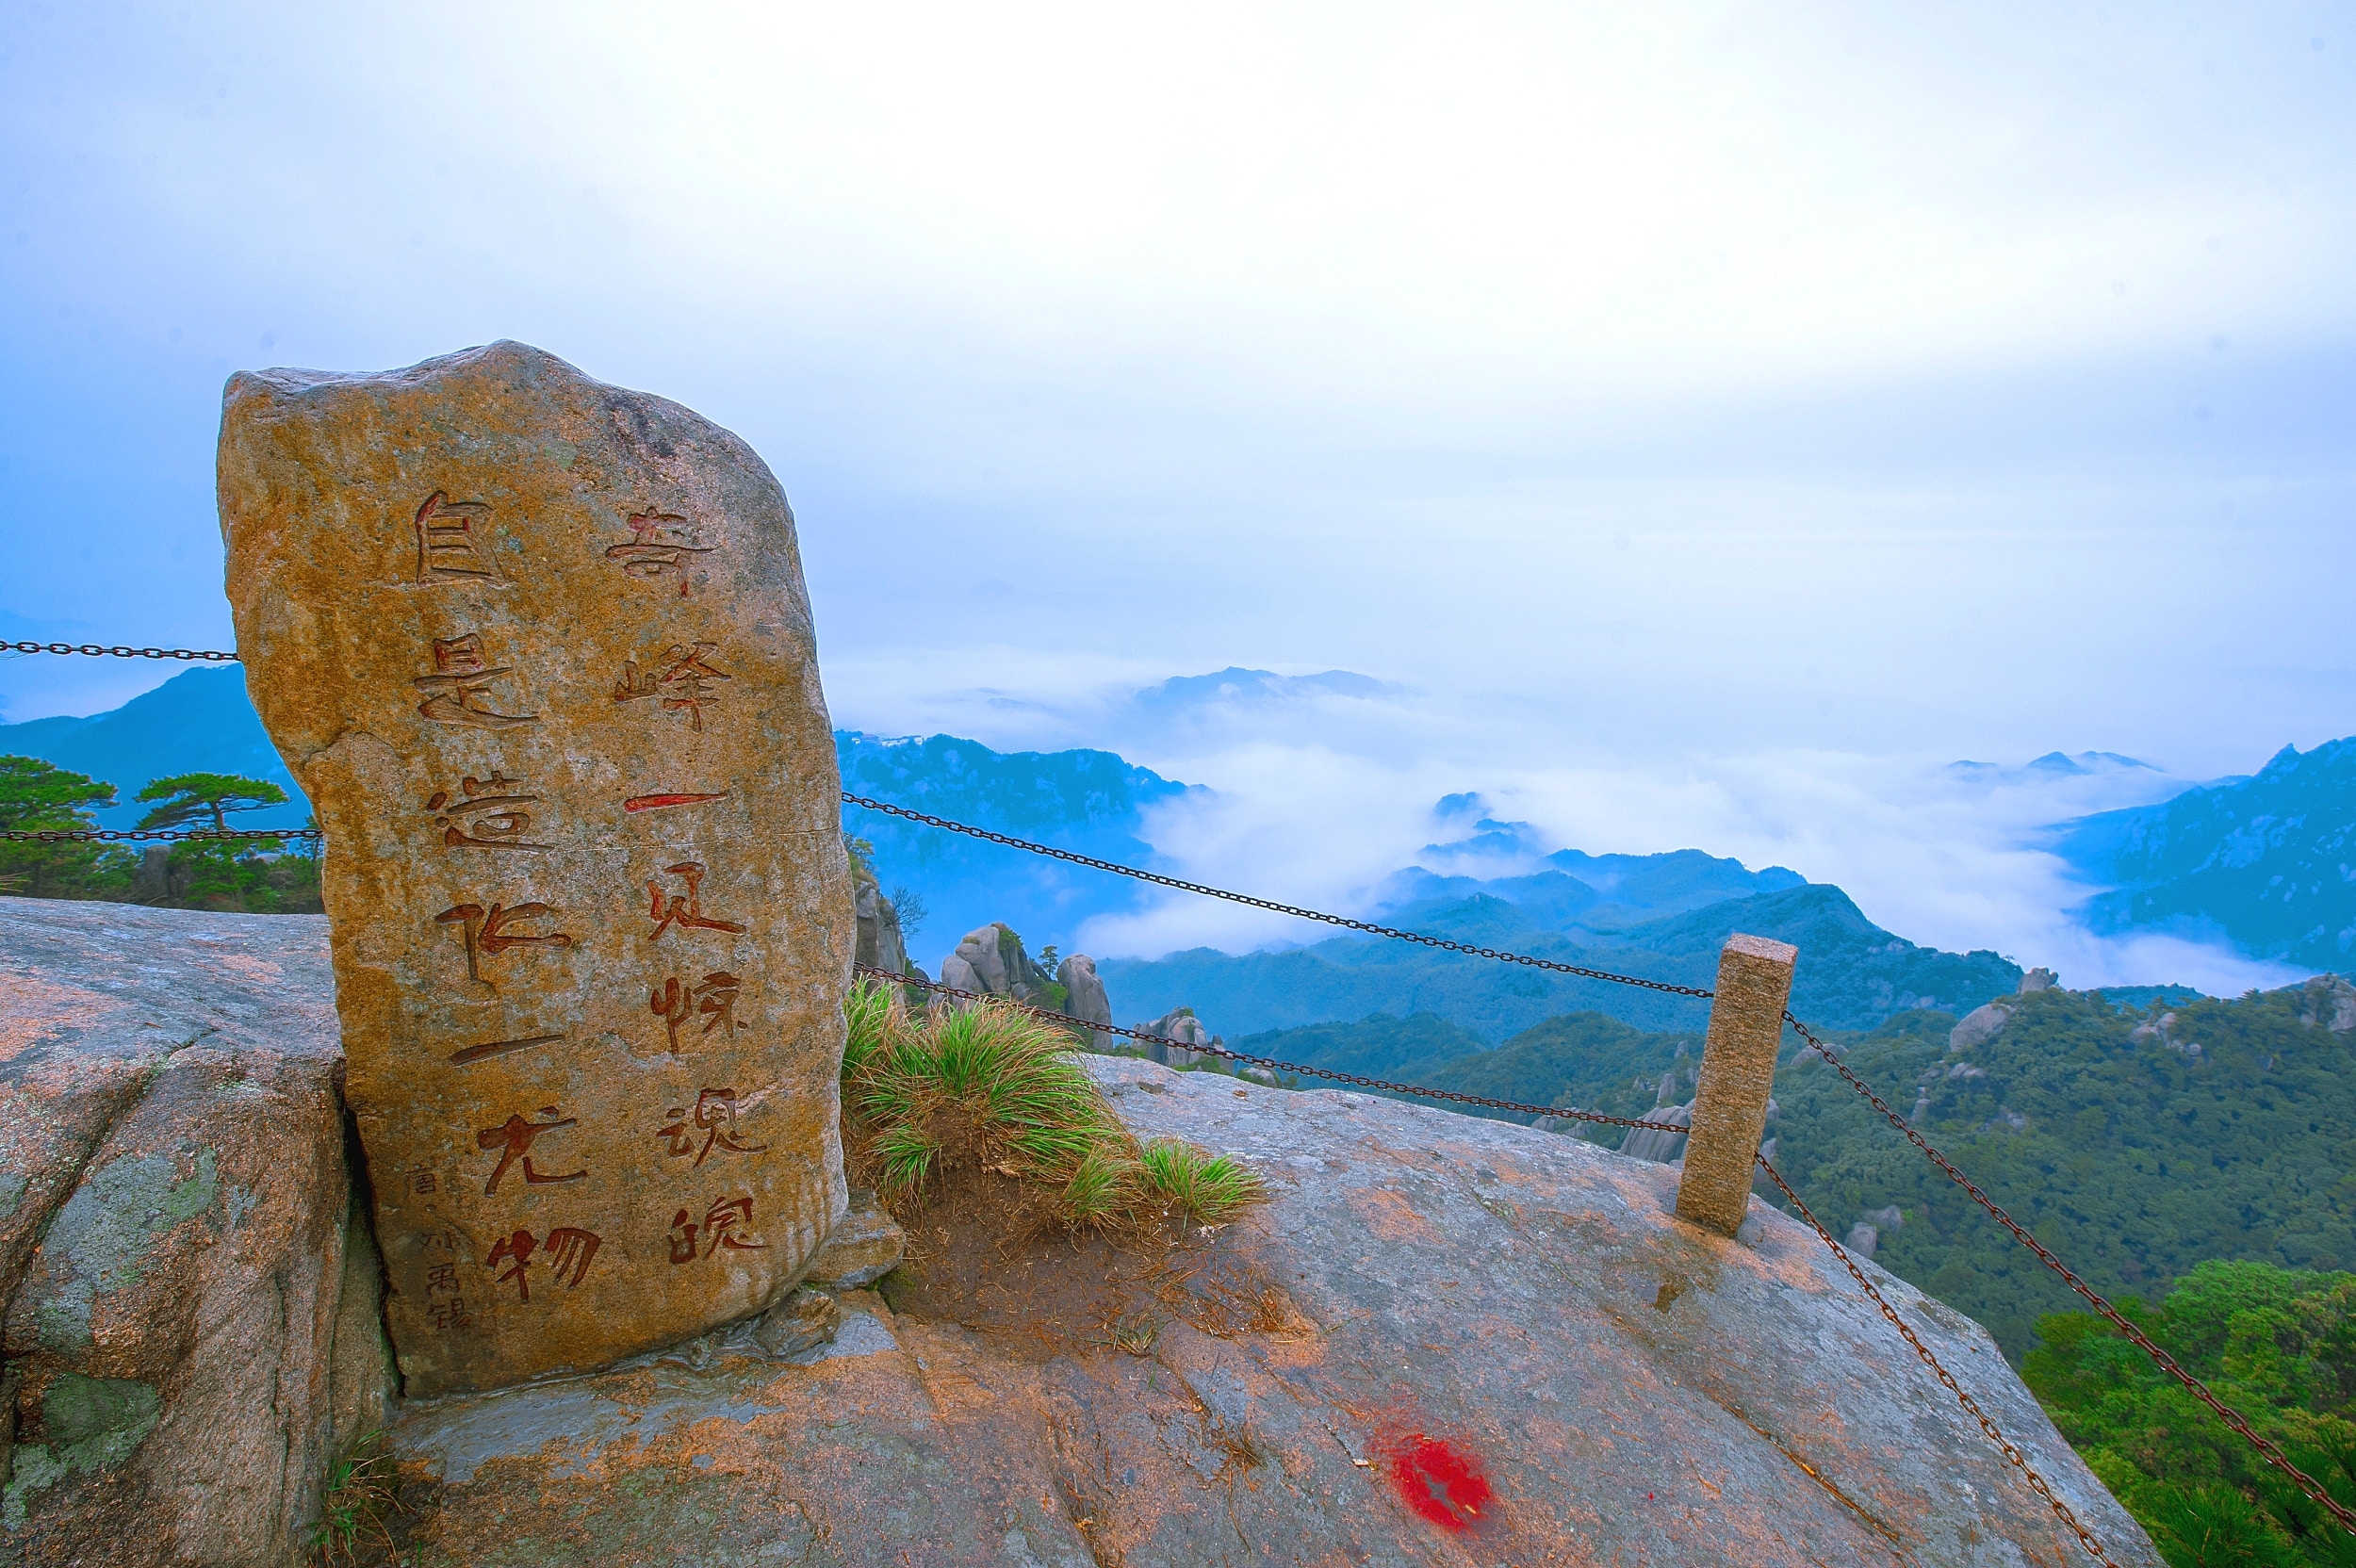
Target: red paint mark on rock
(1439, 1483)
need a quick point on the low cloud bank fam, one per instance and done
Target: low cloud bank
(1321, 789)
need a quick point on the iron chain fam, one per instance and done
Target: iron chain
(2021, 1461)
(1270, 1063)
(2136, 1336)
(95, 650)
(112, 835)
(1441, 944)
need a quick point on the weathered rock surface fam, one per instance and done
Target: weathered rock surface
(879, 942)
(539, 652)
(865, 1245)
(1428, 1298)
(1187, 1031)
(191, 1331)
(1436, 1315)
(991, 959)
(1084, 998)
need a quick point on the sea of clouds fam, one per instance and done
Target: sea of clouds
(1319, 789)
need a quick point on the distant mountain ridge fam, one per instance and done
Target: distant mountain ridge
(2264, 862)
(2267, 863)
(1853, 975)
(1091, 802)
(200, 721)
(2052, 764)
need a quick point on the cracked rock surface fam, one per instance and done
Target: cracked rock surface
(190, 1322)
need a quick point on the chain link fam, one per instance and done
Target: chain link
(1441, 944)
(2136, 1336)
(1972, 1406)
(97, 651)
(112, 835)
(1270, 1063)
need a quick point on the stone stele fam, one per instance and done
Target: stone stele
(539, 651)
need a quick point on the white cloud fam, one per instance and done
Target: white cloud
(1313, 811)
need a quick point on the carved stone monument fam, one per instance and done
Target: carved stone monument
(539, 651)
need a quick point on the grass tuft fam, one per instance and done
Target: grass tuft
(993, 1085)
(360, 1492)
(1210, 1188)
(870, 1012)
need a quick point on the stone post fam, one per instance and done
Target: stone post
(539, 651)
(1738, 1069)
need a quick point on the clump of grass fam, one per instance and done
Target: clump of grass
(1210, 1189)
(360, 1492)
(995, 1086)
(1137, 1332)
(870, 1010)
(987, 1082)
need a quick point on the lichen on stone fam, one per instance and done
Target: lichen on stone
(107, 1231)
(93, 1424)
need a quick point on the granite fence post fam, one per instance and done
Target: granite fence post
(1738, 1069)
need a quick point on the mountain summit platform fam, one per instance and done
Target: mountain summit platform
(1443, 1340)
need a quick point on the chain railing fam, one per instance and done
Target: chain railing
(97, 650)
(2233, 1418)
(1270, 1063)
(1971, 1407)
(150, 834)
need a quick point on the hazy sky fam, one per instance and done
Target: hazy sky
(1647, 387)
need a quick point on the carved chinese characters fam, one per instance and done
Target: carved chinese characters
(539, 652)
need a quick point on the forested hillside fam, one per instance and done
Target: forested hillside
(2277, 1345)
(2136, 1145)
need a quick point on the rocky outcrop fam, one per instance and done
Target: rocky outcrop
(1984, 1024)
(1865, 1236)
(991, 959)
(2162, 1031)
(879, 945)
(1645, 1143)
(1179, 1025)
(1084, 998)
(2328, 1002)
(191, 1296)
(1980, 1025)
(1445, 1340)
